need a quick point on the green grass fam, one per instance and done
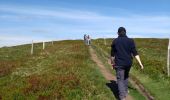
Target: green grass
(153, 53)
(61, 71)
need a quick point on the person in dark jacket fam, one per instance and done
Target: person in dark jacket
(122, 51)
(85, 39)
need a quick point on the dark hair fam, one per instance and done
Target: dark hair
(121, 31)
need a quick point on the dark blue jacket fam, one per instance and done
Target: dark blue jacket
(122, 49)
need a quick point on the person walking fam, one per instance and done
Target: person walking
(85, 38)
(88, 40)
(122, 51)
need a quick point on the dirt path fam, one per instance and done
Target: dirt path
(106, 73)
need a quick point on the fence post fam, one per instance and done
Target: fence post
(32, 48)
(52, 43)
(98, 42)
(168, 59)
(104, 40)
(43, 45)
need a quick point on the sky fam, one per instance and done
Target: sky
(22, 21)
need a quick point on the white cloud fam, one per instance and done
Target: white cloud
(59, 13)
(63, 20)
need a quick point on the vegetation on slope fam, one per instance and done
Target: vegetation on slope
(61, 71)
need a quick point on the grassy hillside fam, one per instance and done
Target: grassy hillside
(61, 71)
(153, 54)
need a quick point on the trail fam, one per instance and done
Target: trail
(106, 73)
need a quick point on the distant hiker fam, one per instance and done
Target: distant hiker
(88, 40)
(85, 38)
(122, 49)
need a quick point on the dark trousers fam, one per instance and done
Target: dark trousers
(122, 74)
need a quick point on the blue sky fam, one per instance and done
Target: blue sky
(22, 21)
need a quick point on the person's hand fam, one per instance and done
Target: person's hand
(112, 62)
(113, 66)
(141, 66)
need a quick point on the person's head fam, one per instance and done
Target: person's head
(121, 31)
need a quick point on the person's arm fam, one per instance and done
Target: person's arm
(135, 54)
(112, 58)
(139, 61)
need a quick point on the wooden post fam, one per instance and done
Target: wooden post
(168, 59)
(43, 45)
(52, 43)
(32, 48)
(105, 41)
(98, 42)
